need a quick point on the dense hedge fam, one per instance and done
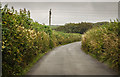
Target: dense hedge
(63, 38)
(103, 43)
(74, 27)
(23, 40)
(78, 27)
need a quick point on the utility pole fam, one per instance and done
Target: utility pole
(50, 17)
(119, 11)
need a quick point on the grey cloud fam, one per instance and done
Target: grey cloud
(64, 12)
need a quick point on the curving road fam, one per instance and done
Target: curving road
(69, 60)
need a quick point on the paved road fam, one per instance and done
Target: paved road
(69, 60)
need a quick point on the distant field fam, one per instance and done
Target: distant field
(54, 26)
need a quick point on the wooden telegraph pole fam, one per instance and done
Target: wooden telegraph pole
(50, 17)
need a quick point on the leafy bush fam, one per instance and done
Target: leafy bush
(64, 38)
(23, 40)
(102, 43)
(75, 27)
(78, 27)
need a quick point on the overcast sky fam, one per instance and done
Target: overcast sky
(66, 12)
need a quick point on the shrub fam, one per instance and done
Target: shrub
(78, 27)
(102, 43)
(23, 40)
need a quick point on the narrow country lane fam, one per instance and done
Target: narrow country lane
(69, 60)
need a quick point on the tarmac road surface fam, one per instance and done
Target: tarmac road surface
(69, 60)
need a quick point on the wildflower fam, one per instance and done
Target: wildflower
(29, 30)
(3, 47)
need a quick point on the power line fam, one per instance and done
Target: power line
(44, 19)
